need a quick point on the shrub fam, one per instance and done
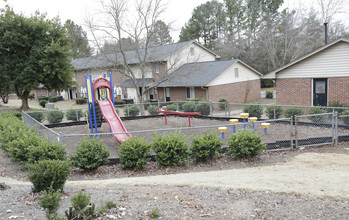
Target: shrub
(43, 98)
(152, 109)
(318, 118)
(55, 116)
(189, 107)
(42, 103)
(10, 114)
(119, 102)
(39, 116)
(195, 100)
(53, 99)
(293, 111)
(48, 173)
(269, 111)
(10, 129)
(254, 110)
(245, 144)
(132, 111)
(336, 104)
(81, 101)
(90, 154)
(134, 153)
(50, 202)
(223, 104)
(155, 212)
(46, 150)
(345, 119)
(171, 107)
(18, 149)
(170, 149)
(205, 147)
(79, 201)
(31, 96)
(74, 114)
(203, 108)
(269, 94)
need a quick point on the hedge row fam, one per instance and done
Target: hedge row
(172, 149)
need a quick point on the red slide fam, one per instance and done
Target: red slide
(114, 121)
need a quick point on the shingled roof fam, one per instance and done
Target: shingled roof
(155, 54)
(197, 74)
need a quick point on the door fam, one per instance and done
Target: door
(320, 92)
(167, 95)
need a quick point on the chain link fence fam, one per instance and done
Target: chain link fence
(41, 129)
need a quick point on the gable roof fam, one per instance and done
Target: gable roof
(272, 75)
(154, 54)
(129, 83)
(200, 74)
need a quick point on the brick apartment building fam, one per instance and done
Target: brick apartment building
(192, 71)
(318, 78)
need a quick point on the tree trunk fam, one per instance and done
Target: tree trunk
(24, 98)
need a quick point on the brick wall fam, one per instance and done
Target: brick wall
(299, 91)
(338, 90)
(294, 91)
(241, 92)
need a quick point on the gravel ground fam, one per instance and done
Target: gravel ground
(307, 184)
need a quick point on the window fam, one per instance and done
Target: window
(190, 92)
(156, 68)
(192, 51)
(151, 93)
(236, 70)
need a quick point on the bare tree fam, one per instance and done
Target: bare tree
(116, 21)
(329, 8)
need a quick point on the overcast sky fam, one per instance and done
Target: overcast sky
(177, 11)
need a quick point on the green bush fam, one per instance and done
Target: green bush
(171, 107)
(90, 154)
(39, 116)
(9, 114)
(119, 102)
(10, 129)
(81, 101)
(203, 108)
(50, 202)
(254, 110)
(269, 111)
(18, 149)
(205, 147)
(43, 98)
(269, 94)
(293, 111)
(132, 110)
(189, 107)
(195, 100)
(223, 104)
(31, 96)
(170, 149)
(318, 118)
(42, 103)
(345, 119)
(74, 114)
(336, 104)
(53, 99)
(79, 201)
(54, 117)
(48, 173)
(134, 153)
(46, 150)
(152, 109)
(245, 144)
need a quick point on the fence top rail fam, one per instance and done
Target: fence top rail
(306, 116)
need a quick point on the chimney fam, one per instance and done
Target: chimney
(325, 24)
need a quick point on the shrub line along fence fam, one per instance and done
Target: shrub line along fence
(283, 134)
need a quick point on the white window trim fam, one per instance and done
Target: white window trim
(191, 91)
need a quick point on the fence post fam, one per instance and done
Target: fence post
(77, 117)
(128, 110)
(61, 138)
(177, 105)
(335, 128)
(211, 108)
(296, 130)
(229, 110)
(274, 113)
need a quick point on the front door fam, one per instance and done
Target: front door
(320, 92)
(167, 95)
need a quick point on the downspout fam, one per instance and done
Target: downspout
(207, 97)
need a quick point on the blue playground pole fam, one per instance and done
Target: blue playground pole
(253, 127)
(89, 108)
(265, 130)
(244, 123)
(93, 104)
(222, 135)
(112, 89)
(233, 129)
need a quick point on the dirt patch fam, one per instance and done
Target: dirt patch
(312, 183)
